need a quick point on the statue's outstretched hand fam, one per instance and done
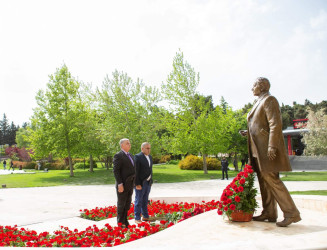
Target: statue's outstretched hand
(243, 132)
(272, 153)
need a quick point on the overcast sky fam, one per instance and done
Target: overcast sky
(229, 42)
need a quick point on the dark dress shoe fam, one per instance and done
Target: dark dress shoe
(288, 221)
(263, 217)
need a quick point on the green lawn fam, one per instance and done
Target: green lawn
(162, 174)
(304, 176)
(310, 192)
(57, 178)
(166, 173)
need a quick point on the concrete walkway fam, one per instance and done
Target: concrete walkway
(48, 208)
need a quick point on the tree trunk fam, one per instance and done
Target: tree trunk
(205, 168)
(107, 162)
(91, 164)
(235, 163)
(69, 157)
(70, 165)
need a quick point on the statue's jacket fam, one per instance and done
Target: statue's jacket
(264, 130)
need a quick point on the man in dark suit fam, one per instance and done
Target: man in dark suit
(124, 171)
(267, 155)
(143, 182)
(224, 168)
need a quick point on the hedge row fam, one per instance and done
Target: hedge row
(87, 165)
(192, 162)
(52, 165)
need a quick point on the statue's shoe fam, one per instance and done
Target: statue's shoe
(288, 221)
(263, 217)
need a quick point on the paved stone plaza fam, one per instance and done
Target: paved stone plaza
(47, 208)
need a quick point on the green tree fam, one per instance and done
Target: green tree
(247, 107)
(223, 104)
(180, 92)
(4, 130)
(127, 109)
(22, 138)
(57, 120)
(193, 125)
(210, 132)
(316, 139)
(90, 144)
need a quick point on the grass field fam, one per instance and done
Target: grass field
(310, 192)
(304, 176)
(162, 174)
(166, 173)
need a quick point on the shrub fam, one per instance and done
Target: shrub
(81, 165)
(213, 164)
(88, 163)
(156, 159)
(17, 164)
(173, 162)
(165, 158)
(55, 166)
(21, 154)
(191, 162)
(31, 165)
(78, 160)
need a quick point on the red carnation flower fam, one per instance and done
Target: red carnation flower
(230, 192)
(240, 189)
(242, 181)
(232, 207)
(220, 212)
(237, 198)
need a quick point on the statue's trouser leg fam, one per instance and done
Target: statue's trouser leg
(274, 189)
(269, 204)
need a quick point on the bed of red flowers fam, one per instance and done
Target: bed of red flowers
(155, 208)
(108, 236)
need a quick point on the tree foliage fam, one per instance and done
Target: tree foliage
(58, 120)
(194, 125)
(128, 110)
(71, 120)
(7, 132)
(299, 111)
(316, 139)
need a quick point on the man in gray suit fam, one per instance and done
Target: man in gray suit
(124, 172)
(143, 182)
(267, 155)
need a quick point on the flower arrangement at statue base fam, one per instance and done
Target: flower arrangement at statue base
(237, 201)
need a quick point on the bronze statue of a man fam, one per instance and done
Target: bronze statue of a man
(267, 155)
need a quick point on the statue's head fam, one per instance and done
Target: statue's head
(261, 86)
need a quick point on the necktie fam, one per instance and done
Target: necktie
(130, 157)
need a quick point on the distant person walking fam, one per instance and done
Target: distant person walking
(235, 163)
(11, 165)
(4, 164)
(224, 168)
(244, 161)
